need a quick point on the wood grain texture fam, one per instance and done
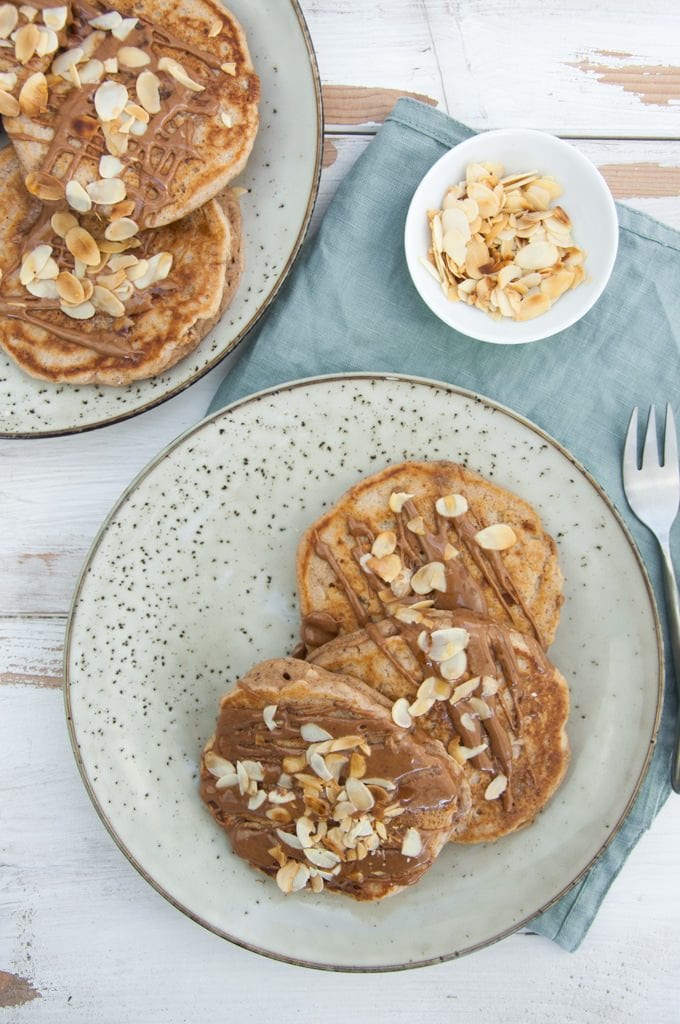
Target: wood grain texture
(357, 105)
(658, 85)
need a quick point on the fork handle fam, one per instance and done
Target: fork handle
(673, 610)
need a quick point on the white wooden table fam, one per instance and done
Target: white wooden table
(82, 937)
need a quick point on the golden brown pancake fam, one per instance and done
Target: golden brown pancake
(317, 787)
(503, 700)
(362, 555)
(182, 131)
(160, 324)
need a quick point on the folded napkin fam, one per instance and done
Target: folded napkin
(349, 304)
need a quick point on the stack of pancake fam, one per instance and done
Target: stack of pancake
(429, 596)
(121, 239)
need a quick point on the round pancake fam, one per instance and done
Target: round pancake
(181, 152)
(172, 315)
(514, 711)
(520, 586)
(283, 775)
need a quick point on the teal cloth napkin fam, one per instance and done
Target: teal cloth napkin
(349, 304)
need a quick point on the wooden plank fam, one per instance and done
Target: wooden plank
(75, 919)
(571, 68)
(32, 651)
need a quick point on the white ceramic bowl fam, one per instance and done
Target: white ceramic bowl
(586, 198)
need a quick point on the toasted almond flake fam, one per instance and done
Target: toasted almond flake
(312, 733)
(116, 142)
(63, 62)
(481, 707)
(256, 801)
(445, 643)
(412, 844)
(275, 796)
(318, 766)
(8, 80)
(292, 877)
(55, 17)
(215, 28)
(349, 742)
(147, 91)
(304, 827)
(229, 67)
(268, 714)
(430, 576)
(110, 166)
(407, 615)
(175, 69)
(315, 881)
(123, 29)
(81, 312)
(9, 19)
(416, 525)
(82, 245)
(33, 95)
(107, 302)
(9, 107)
(70, 289)
(111, 66)
(398, 499)
(357, 765)
(121, 229)
(216, 765)
(421, 706)
(384, 544)
(387, 568)
(400, 713)
(91, 72)
(453, 668)
(496, 787)
(325, 859)
(25, 42)
(289, 839)
(106, 21)
(107, 192)
(139, 113)
(43, 289)
(77, 198)
(49, 271)
(467, 753)
(452, 505)
(464, 690)
(109, 100)
(281, 815)
(132, 57)
(33, 262)
(44, 186)
(490, 686)
(47, 42)
(359, 794)
(498, 537)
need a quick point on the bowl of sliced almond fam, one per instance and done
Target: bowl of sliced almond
(511, 236)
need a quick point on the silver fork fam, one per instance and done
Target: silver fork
(653, 493)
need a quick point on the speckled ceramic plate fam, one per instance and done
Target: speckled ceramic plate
(282, 177)
(192, 580)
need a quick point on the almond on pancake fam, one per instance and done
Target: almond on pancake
(30, 36)
(488, 693)
(164, 87)
(317, 787)
(428, 531)
(124, 316)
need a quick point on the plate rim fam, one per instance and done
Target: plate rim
(286, 387)
(22, 435)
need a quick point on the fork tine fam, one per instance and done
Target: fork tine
(650, 451)
(670, 446)
(630, 459)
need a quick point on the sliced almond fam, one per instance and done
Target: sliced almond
(496, 787)
(121, 229)
(359, 794)
(174, 68)
(452, 505)
(77, 198)
(25, 42)
(8, 80)
(312, 733)
(417, 526)
(430, 576)
(107, 191)
(147, 91)
(44, 186)
(412, 844)
(132, 57)
(84, 311)
(33, 262)
(400, 713)
(91, 72)
(109, 100)
(70, 289)
(111, 65)
(268, 714)
(82, 245)
(463, 691)
(387, 568)
(9, 106)
(292, 877)
(398, 499)
(216, 765)
(43, 289)
(63, 62)
(123, 29)
(9, 18)
(384, 544)
(106, 21)
(537, 256)
(107, 302)
(498, 537)
(445, 643)
(229, 67)
(33, 95)
(453, 668)
(215, 28)
(481, 707)
(55, 17)
(29, 12)
(110, 166)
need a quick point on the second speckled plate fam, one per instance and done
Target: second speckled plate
(192, 580)
(282, 179)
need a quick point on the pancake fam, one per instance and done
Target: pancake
(31, 35)
(154, 326)
(501, 712)
(177, 108)
(307, 739)
(342, 586)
